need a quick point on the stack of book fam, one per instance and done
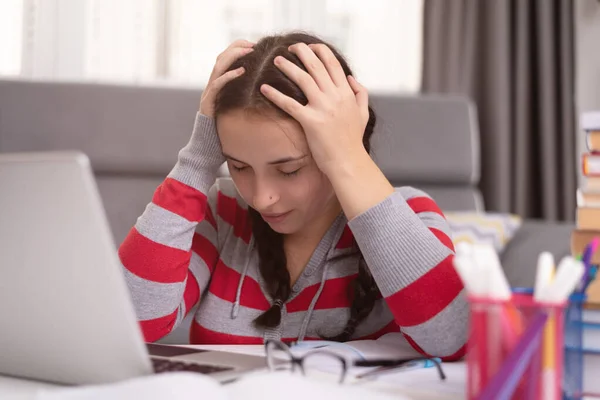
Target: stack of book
(588, 196)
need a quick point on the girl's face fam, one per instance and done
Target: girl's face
(271, 165)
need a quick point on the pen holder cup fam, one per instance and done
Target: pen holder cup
(515, 349)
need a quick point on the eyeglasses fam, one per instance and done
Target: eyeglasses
(319, 361)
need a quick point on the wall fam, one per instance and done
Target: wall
(587, 60)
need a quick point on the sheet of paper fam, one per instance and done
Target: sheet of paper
(425, 384)
(278, 385)
(189, 386)
(391, 345)
(176, 386)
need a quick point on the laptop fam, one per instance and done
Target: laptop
(65, 310)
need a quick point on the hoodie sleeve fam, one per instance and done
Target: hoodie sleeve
(406, 243)
(170, 253)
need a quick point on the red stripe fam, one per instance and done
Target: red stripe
(206, 250)
(442, 237)
(424, 204)
(154, 329)
(231, 212)
(460, 353)
(346, 240)
(335, 294)
(181, 199)
(191, 294)
(153, 261)
(427, 296)
(391, 327)
(224, 283)
(202, 335)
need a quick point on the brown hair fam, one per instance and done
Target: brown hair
(244, 93)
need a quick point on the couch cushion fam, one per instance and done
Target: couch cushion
(519, 258)
(123, 129)
(426, 139)
(495, 229)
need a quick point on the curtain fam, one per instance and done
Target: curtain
(515, 60)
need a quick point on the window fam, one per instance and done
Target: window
(11, 36)
(175, 42)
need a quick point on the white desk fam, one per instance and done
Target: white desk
(418, 384)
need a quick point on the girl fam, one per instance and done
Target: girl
(308, 239)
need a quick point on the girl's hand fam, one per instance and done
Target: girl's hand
(218, 77)
(336, 115)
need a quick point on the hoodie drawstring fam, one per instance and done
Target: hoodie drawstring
(238, 294)
(311, 307)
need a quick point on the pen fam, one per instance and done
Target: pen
(586, 258)
(408, 366)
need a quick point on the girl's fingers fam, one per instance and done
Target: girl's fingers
(287, 104)
(361, 94)
(333, 66)
(225, 59)
(300, 77)
(228, 76)
(313, 64)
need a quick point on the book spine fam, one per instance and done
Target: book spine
(590, 164)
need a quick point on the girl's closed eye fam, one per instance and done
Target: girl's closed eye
(239, 168)
(291, 173)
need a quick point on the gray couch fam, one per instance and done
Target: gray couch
(132, 136)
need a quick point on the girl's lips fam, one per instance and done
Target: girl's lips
(275, 217)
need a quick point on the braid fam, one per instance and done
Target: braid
(364, 293)
(273, 269)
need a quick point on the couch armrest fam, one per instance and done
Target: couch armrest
(519, 257)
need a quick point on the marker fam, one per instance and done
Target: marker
(568, 275)
(544, 274)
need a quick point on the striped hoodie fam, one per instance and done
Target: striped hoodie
(192, 250)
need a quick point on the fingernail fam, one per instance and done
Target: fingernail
(277, 60)
(265, 88)
(241, 70)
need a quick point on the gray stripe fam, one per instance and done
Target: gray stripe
(378, 319)
(409, 192)
(201, 272)
(180, 314)
(397, 246)
(151, 299)
(235, 253)
(446, 333)
(167, 228)
(199, 161)
(332, 321)
(214, 313)
(328, 322)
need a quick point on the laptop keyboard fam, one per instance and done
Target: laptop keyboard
(161, 365)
